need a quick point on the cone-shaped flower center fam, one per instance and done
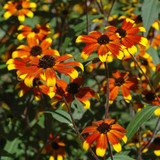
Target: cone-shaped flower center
(104, 39)
(104, 128)
(138, 19)
(55, 146)
(121, 32)
(46, 61)
(72, 88)
(36, 50)
(19, 6)
(150, 96)
(119, 81)
(157, 140)
(35, 30)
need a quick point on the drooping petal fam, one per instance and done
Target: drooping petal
(89, 129)
(101, 145)
(50, 77)
(102, 53)
(126, 93)
(86, 39)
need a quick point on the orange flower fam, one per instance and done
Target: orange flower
(103, 42)
(104, 131)
(44, 66)
(40, 31)
(22, 8)
(34, 48)
(55, 148)
(121, 81)
(38, 88)
(128, 35)
(72, 90)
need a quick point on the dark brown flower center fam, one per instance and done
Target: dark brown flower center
(144, 62)
(46, 61)
(104, 128)
(119, 81)
(157, 141)
(121, 32)
(55, 146)
(150, 96)
(36, 50)
(19, 6)
(73, 88)
(138, 19)
(35, 30)
(104, 39)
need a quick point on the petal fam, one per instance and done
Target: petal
(126, 93)
(32, 40)
(136, 30)
(88, 50)
(95, 34)
(102, 53)
(89, 129)
(119, 135)
(85, 101)
(113, 94)
(118, 127)
(63, 58)
(109, 121)
(86, 39)
(46, 43)
(114, 142)
(101, 145)
(90, 140)
(50, 77)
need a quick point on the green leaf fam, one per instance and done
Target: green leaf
(149, 13)
(154, 54)
(121, 157)
(139, 119)
(61, 116)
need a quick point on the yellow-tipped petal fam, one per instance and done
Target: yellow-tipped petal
(144, 41)
(30, 14)
(33, 5)
(84, 56)
(86, 104)
(51, 94)
(78, 40)
(157, 152)
(21, 18)
(59, 157)
(100, 152)
(20, 37)
(37, 98)
(117, 147)
(142, 29)
(128, 98)
(85, 145)
(120, 55)
(103, 58)
(51, 158)
(74, 74)
(130, 20)
(124, 139)
(7, 15)
(157, 112)
(20, 27)
(21, 93)
(132, 50)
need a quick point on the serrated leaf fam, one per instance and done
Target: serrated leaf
(121, 157)
(61, 116)
(154, 54)
(138, 120)
(149, 13)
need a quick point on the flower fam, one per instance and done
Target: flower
(55, 148)
(121, 81)
(72, 90)
(128, 35)
(38, 89)
(104, 131)
(22, 8)
(145, 61)
(34, 48)
(103, 42)
(44, 66)
(40, 31)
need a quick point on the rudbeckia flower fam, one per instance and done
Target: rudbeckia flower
(145, 61)
(128, 35)
(72, 90)
(121, 81)
(44, 67)
(22, 8)
(103, 43)
(34, 48)
(40, 31)
(38, 88)
(55, 147)
(104, 131)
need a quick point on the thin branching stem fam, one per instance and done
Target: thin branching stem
(109, 148)
(74, 125)
(107, 89)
